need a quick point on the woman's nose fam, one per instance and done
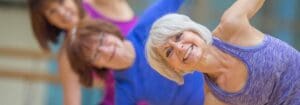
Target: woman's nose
(178, 47)
(105, 49)
(61, 11)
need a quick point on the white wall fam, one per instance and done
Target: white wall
(15, 32)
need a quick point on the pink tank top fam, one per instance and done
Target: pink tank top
(124, 26)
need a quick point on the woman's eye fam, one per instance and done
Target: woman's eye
(177, 38)
(51, 11)
(169, 51)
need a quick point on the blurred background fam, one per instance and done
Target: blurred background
(29, 77)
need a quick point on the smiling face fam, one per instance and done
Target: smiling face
(176, 46)
(107, 51)
(63, 14)
(100, 45)
(183, 51)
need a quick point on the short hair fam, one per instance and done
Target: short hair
(165, 28)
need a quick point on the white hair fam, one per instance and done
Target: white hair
(163, 29)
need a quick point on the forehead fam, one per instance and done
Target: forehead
(166, 42)
(47, 4)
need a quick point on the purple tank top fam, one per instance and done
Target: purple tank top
(273, 74)
(125, 27)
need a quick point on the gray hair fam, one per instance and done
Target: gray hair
(165, 28)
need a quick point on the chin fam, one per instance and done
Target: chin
(75, 21)
(191, 62)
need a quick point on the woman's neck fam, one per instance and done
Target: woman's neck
(216, 64)
(70, 31)
(224, 69)
(214, 61)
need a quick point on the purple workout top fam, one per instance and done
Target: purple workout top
(273, 74)
(125, 27)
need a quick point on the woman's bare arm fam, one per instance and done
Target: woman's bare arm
(70, 82)
(235, 20)
(244, 9)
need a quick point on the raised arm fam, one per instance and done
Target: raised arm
(244, 8)
(235, 20)
(152, 13)
(70, 81)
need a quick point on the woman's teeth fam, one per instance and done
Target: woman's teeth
(188, 52)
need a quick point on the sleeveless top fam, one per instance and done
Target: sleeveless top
(124, 26)
(273, 74)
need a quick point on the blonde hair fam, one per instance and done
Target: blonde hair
(165, 28)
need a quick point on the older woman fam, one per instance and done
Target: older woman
(242, 65)
(98, 46)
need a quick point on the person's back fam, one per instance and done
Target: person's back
(273, 73)
(124, 25)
